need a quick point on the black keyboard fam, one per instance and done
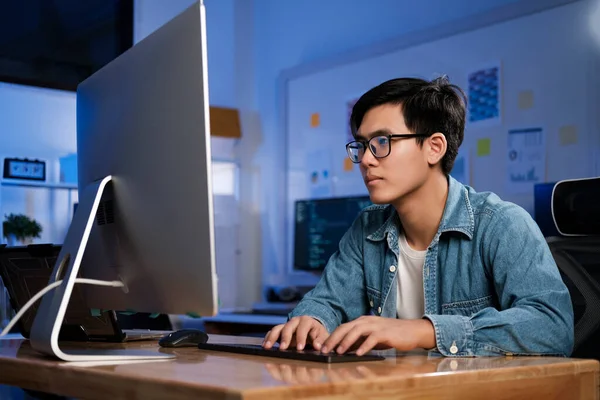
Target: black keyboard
(305, 355)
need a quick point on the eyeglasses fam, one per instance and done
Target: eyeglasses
(380, 146)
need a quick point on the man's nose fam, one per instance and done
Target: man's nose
(368, 158)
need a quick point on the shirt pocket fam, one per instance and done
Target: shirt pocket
(467, 308)
(373, 300)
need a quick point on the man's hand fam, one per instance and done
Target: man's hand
(369, 332)
(296, 332)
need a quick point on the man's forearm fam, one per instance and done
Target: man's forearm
(426, 333)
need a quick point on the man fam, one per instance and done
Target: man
(433, 264)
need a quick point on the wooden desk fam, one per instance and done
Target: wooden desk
(196, 374)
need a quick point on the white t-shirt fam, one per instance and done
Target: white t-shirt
(411, 299)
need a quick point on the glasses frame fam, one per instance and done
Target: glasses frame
(367, 143)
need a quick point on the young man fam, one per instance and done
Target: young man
(433, 264)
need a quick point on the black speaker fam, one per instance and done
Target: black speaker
(576, 207)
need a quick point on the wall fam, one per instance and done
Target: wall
(38, 123)
(152, 14)
(289, 34)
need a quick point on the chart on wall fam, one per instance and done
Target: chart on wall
(526, 159)
(484, 95)
(320, 181)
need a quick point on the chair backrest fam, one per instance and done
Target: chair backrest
(576, 213)
(578, 260)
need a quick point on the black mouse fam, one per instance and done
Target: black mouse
(183, 338)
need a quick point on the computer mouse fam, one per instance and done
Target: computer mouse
(183, 338)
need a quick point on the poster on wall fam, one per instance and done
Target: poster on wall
(526, 162)
(484, 95)
(318, 164)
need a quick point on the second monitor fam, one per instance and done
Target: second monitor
(319, 225)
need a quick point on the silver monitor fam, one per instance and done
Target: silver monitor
(145, 213)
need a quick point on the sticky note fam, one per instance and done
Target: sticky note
(484, 147)
(348, 165)
(525, 100)
(567, 135)
(315, 120)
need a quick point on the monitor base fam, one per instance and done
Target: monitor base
(50, 315)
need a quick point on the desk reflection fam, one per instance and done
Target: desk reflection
(400, 364)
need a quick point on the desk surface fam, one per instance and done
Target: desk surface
(203, 374)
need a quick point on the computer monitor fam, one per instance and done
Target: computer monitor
(145, 213)
(319, 225)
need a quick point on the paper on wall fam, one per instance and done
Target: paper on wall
(484, 95)
(526, 159)
(318, 163)
(567, 135)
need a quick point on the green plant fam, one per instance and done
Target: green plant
(21, 226)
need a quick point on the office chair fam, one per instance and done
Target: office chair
(577, 255)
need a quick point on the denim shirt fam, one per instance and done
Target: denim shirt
(491, 285)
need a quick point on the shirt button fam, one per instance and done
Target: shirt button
(379, 310)
(453, 348)
(371, 303)
(392, 268)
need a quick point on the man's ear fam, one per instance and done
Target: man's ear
(436, 148)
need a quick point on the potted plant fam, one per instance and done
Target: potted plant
(19, 227)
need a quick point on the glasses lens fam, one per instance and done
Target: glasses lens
(380, 146)
(355, 151)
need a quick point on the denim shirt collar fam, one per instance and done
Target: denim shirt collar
(457, 217)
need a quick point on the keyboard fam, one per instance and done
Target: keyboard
(293, 354)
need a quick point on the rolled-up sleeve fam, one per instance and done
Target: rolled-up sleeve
(535, 316)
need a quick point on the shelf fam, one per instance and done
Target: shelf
(38, 184)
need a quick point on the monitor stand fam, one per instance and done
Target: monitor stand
(50, 315)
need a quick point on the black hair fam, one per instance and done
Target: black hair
(427, 106)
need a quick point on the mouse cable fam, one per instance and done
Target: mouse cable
(48, 288)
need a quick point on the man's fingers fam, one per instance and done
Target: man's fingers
(286, 333)
(368, 345)
(352, 337)
(304, 327)
(320, 336)
(272, 336)
(333, 340)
